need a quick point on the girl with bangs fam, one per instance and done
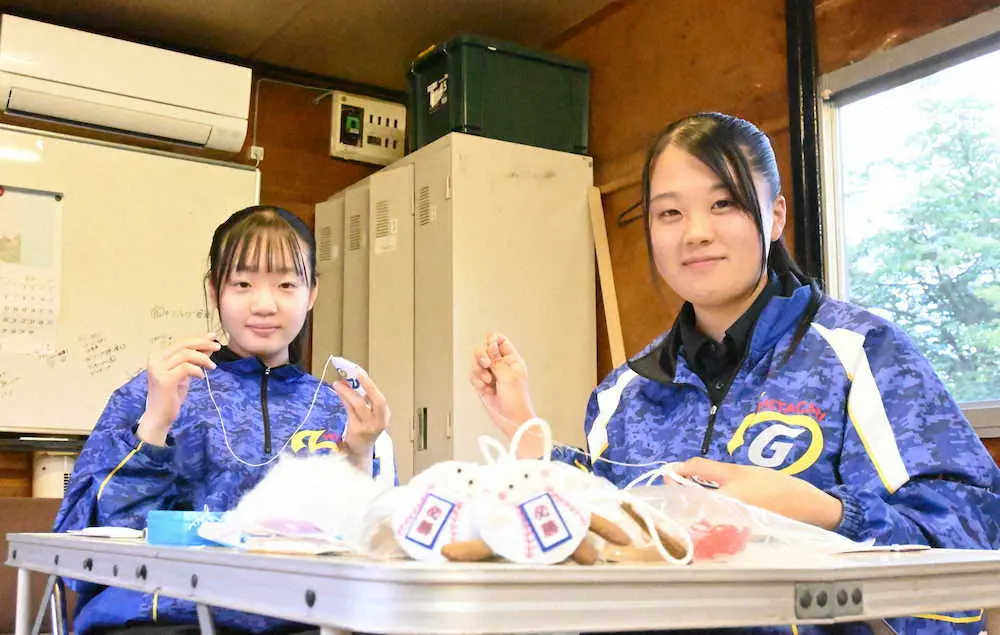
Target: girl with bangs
(202, 424)
(764, 386)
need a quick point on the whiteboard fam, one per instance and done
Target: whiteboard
(127, 239)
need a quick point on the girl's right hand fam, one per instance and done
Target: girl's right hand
(500, 378)
(169, 374)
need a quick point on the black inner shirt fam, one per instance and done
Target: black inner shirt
(716, 363)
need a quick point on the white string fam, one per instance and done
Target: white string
(665, 471)
(225, 434)
(556, 444)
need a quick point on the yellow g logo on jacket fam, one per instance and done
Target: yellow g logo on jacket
(771, 446)
(313, 440)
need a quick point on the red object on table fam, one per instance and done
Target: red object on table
(711, 541)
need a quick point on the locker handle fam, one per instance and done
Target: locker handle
(421, 429)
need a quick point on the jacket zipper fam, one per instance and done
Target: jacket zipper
(708, 431)
(263, 410)
(707, 441)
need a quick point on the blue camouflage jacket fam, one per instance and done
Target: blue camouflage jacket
(853, 408)
(119, 479)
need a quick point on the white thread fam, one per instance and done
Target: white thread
(554, 444)
(225, 434)
(664, 471)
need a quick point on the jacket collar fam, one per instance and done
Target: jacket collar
(227, 359)
(660, 363)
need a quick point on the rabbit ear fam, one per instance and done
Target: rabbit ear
(546, 432)
(493, 451)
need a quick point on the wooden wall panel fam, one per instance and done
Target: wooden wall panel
(653, 61)
(297, 171)
(852, 30)
(15, 474)
(993, 445)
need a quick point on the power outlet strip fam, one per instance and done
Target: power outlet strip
(367, 129)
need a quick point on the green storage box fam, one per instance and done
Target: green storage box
(500, 90)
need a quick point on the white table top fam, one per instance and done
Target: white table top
(411, 597)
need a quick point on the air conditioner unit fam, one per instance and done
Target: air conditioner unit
(60, 74)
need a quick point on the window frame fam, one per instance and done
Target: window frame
(918, 58)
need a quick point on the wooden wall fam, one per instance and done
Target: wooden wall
(297, 171)
(653, 61)
(15, 474)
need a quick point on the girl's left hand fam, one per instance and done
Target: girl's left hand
(769, 489)
(367, 418)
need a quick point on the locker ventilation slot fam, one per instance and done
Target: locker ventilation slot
(325, 251)
(383, 224)
(354, 232)
(425, 215)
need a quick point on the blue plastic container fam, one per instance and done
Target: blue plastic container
(178, 528)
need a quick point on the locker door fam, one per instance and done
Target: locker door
(528, 207)
(356, 217)
(327, 318)
(433, 309)
(390, 309)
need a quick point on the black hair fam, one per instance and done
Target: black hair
(269, 236)
(735, 150)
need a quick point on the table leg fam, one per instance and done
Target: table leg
(22, 624)
(46, 597)
(205, 620)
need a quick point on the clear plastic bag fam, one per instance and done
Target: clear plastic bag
(725, 529)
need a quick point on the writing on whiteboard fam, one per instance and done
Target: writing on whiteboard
(160, 312)
(98, 353)
(161, 341)
(7, 381)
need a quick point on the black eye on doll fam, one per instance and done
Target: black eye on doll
(526, 475)
(510, 486)
(471, 482)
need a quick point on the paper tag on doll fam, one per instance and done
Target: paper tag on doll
(433, 514)
(430, 522)
(349, 372)
(546, 523)
(545, 528)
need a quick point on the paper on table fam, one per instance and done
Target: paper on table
(232, 535)
(884, 549)
(109, 532)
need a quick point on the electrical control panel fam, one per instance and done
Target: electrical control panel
(367, 129)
